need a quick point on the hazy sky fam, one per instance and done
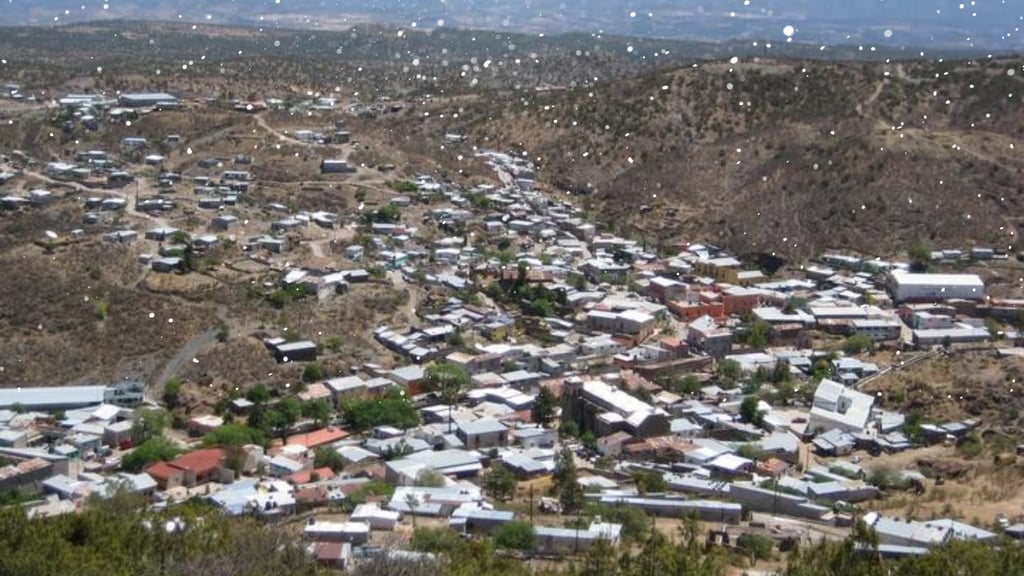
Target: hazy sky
(993, 23)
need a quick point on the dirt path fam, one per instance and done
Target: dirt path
(190, 350)
(871, 99)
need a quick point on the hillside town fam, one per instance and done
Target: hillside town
(553, 373)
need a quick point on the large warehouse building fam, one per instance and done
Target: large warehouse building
(909, 287)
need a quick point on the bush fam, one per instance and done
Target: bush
(434, 540)
(153, 450)
(516, 535)
(858, 344)
(758, 546)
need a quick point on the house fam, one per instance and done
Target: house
(458, 463)
(202, 425)
(335, 555)
(570, 540)
(472, 519)
(603, 409)
(837, 407)
(335, 166)
(224, 222)
(375, 517)
(167, 264)
(302, 351)
(909, 287)
(482, 433)
(705, 335)
(147, 99)
(357, 533)
(191, 469)
(317, 438)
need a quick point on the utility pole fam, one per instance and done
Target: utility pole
(531, 504)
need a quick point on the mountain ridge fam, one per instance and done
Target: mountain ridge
(895, 23)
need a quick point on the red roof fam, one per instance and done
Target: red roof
(205, 460)
(318, 437)
(162, 471)
(306, 476)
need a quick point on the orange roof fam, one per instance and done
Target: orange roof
(306, 476)
(161, 470)
(318, 437)
(200, 460)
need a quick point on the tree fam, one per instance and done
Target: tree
(749, 411)
(258, 394)
(729, 369)
(327, 457)
(516, 535)
(312, 373)
(857, 344)
(499, 482)
(569, 429)
(235, 435)
(427, 539)
(172, 393)
(155, 449)
(686, 386)
(117, 536)
(317, 410)
(920, 256)
(757, 546)
(757, 334)
(648, 481)
(448, 381)
(429, 478)
(149, 423)
(290, 409)
(565, 481)
(392, 409)
(544, 406)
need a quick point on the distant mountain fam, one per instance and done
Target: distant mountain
(990, 24)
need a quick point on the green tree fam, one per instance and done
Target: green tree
(565, 482)
(756, 546)
(648, 481)
(328, 457)
(686, 386)
(392, 409)
(235, 434)
(749, 411)
(499, 482)
(544, 406)
(920, 256)
(429, 478)
(569, 429)
(434, 540)
(149, 423)
(857, 344)
(154, 449)
(172, 393)
(729, 369)
(448, 381)
(516, 535)
(312, 373)
(757, 334)
(258, 394)
(317, 410)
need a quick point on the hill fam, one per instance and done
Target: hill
(893, 23)
(786, 157)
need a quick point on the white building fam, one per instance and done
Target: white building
(906, 286)
(838, 407)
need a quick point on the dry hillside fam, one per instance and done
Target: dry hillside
(787, 157)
